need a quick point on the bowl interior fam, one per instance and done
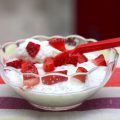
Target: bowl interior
(9, 49)
(56, 101)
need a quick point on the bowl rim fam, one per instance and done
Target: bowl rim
(47, 37)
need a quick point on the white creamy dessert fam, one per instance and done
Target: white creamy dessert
(72, 84)
(65, 93)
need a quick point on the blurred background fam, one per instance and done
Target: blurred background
(99, 19)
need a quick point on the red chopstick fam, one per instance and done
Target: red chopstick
(100, 45)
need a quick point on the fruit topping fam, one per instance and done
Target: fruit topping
(16, 63)
(53, 79)
(81, 69)
(72, 59)
(71, 41)
(29, 79)
(69, 58)
(33, 49)
(48, 64)
(81, 58)
(60, 59)
(29, 67)
(58, 43)
(81, 77)
(100, 61)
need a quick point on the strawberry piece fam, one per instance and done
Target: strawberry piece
(29, 67)
(62, 72)
(16, 64)
(58, 43)
(81, 69)
(65, 58)
(48, 64)
(32, 49)
(60, 59)
(81, 58)
(68, 57)
(81, 77)
(53, 79)
(72, 59)
(100, 61)
(71, 41)
(29, 80)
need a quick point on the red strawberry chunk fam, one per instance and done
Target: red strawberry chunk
(72, 59)
(81, 69)
(53, 79)
(71, 41)
(100, 61)
(81, 58)
(29, 80)
(16, 64)
(81, 77)
(58, 43)
(33, 49)
(65, 58)
(62, 72)
(60, 59)
(29, 67)
(48, 64)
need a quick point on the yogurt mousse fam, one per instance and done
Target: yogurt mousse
(57, 70)
(49, 72)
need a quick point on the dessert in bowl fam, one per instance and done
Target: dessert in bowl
(49, 75)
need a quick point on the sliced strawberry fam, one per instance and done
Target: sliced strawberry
(16, 63)
(32, 81)
(58, 43)
(75, 58)
(100, 61)
(81, 77)
(81, 58)
(33, 49)
(53, 79)
(29, 80)
(65, 58)
(62, 72)
(60, 59)
(72, 59)
(48, 64)
(81, 69)
(29, 67)
(71, 41)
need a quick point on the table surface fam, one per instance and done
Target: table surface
(105, 104)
